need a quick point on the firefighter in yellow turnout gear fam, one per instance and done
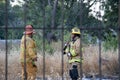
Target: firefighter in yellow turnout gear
(28, 48)
(72, 49)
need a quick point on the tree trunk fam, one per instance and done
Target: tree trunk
(54, 14)
(49, 2)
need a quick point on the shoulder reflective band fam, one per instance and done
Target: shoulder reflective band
(76, 60)
(72, 52)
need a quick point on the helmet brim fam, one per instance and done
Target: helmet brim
(29, 32)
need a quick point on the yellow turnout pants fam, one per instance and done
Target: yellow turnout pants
(31, 71)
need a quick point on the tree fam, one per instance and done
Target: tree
(2, 13)
(110, 19)
(35, 9)
(111, 13)
(14, 20)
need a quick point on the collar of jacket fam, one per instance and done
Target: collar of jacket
(27, 36)
(75, 39)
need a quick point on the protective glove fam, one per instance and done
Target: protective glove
(65, 46)
(64, 52)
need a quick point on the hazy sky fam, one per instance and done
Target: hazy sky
(16, 2)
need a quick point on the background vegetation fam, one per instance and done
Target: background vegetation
(75, 13)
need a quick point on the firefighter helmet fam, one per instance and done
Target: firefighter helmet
(76, 30)
(29, 29)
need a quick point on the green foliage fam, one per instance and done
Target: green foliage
(11, 34)
(111, 43)
(35, 16)
(67, 36)
(14, 34)
(39, 43)
(48, 10)
(110, 19)
(49, 49)
(88, 39)
(111, 13)
(2, 34)
(2, 13)
(14, 20)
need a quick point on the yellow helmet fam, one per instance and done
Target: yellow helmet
(76, 30)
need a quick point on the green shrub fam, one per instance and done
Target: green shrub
(39, 43)
(67, 35)
(111, 43)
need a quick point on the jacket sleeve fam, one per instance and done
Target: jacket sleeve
(32, 49)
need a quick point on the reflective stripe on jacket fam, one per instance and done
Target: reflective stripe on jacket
(75, 60)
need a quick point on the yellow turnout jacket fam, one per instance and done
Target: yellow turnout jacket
(74, 49)
(28, 48)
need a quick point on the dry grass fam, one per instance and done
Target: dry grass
(109, 61)
(13, 65)
(53, 63)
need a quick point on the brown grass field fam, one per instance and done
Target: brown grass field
(53, 63)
